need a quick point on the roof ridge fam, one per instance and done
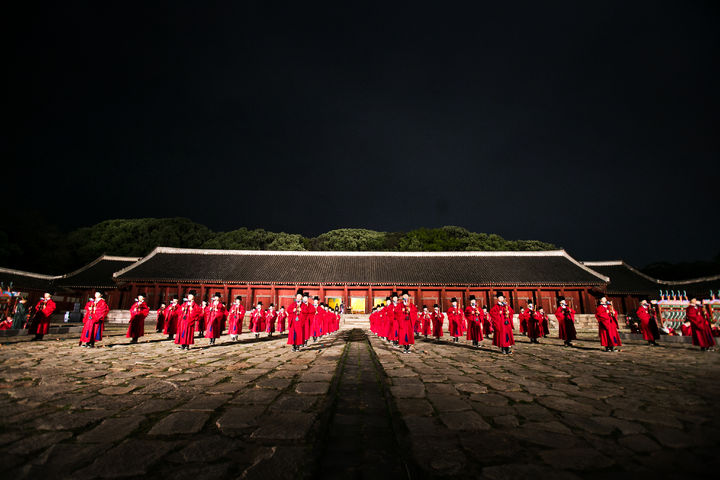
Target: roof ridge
(374, 253)
(30, 274)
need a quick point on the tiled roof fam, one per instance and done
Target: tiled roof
(699, 287)
(361, 268)
(626, 280)
(96, 274)
(25, 280)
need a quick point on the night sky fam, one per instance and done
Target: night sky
(591, 125)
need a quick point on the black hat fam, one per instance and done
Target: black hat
(141, 295)
(282, 306)
(306, 294)
(271, 305)
(238, 297)
(51, 292)
(175, 297)
(436, 306)
(101, 292)
(259, 303)
(300, 292)
(485, 307)
(471, 297)
(388, 298)
(217, 295)
(424, 307)
(393, 294)
(530, 302)
(560, 299)
(453, 299)
(499, 294)
(404, 292)
(192, 292)
(316, 298)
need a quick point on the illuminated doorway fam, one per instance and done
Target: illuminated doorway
(357, 304)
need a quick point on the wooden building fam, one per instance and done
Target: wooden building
(96, 275)
(362, 279)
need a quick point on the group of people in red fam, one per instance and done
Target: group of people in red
(310, 320)
(398, 322)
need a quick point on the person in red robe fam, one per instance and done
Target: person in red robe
(522, 320)
(373, 319)
(425, 322)
(281, 316)
(270, 318)
(544, 323)
(338, 316)
(201, 320)
(235, 317)
(474, 316)
(455, 318)
(257, 316)
(160, 324)
(502, 317)
(214, 316)
(648, 324)
(94, 322)
(316, 319)
(607, 326)
(392, 319)
(529, 320)
(308, 312)
(40, 321)
(566, 322)
(406, 316)
(686, 328)
(7, 323)
(487, 322)
(171, 318)
(188, 316)
(700, 324)
(438, 318)
(295, 324)
(138, 312)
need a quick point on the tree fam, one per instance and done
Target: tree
(349, 239)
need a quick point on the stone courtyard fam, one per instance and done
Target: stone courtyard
(351, 406)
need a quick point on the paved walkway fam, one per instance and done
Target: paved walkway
(355, 407)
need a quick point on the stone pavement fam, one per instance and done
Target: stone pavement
(355, 407)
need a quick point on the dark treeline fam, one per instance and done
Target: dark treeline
(48, 250)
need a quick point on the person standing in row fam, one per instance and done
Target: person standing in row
(214, 316)
(270, 318)
(138, 312)
(474, 317)
(566, 322)
(532, 321)
(426, 322)
(502, 318)
(281, 316)
(40, 321)
(257, 316)
(201, 320)
(487, 322)
(160, 323)
(700, 325)
(308, 312)
(406, 316)
(648, 324)
(295, 324)
(235, 317)
(438, 318)
(171, 318)
(20, 314)
(96, 311)
(607, 326)
(455, 319)
(188, 317)
(316, 319)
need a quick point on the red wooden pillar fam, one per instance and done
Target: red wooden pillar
(371, 300)
(514, 302)
(248, 298)
(272, 296)
(346, 298)
(419, 300)
(538, 298)
(202, 292)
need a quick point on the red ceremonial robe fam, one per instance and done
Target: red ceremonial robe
(188, 316)
(308, 312)
(502, 318)
(701, 329)
(455, 321)
(648, 325)
(270, 317)
(531, 320)
(257, 318)
(138, 313)
(474, 316)
(426, 323)
(201, 320)
(160, 319)
(235, 317)
(281, 321)
(295, 323)
(607, 327)
(171, 319)
(316, 322)
(393, 325)
(438, 319)
(215, 314)
(487, 323)
(405, 316)
(94, 321)
(522, 320)
(544, 324)
(566, 323)
(41, 323)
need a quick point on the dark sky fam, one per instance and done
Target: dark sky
(592, 125)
